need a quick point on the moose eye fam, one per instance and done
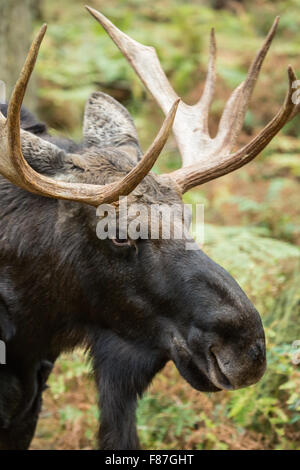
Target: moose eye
(120, 241)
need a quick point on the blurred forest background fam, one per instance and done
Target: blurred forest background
(252, 216)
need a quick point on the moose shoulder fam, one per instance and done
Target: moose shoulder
(135, 303)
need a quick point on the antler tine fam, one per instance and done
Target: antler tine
(15, 168)
(143, 60)
(204, 103)
(15, 104)
(233, 115)
(192, 176)
(256, 145)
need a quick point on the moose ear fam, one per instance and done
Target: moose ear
(42, 155)
(108, 124)
(28, 121)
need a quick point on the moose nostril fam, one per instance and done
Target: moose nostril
(257, 351)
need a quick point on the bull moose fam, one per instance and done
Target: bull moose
(134, 303)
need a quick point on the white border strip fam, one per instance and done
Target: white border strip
(2, 92)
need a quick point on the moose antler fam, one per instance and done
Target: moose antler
(204, 158)
(15, 168)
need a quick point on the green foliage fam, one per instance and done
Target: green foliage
(71, 366)
(161, 422)
(260, 264)
(272, 405)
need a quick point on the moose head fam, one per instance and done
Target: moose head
(141, 302)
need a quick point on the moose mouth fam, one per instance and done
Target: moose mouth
(205, 373)
(216, 373)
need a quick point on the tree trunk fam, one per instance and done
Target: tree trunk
(16, 31)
